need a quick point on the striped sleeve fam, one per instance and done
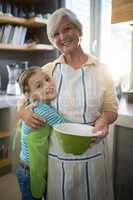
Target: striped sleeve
(49, 114)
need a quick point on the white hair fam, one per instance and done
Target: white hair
(55, 19)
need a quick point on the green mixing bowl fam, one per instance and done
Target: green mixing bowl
(74, 138)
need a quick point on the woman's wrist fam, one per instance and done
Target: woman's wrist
(108, 117)
(102, 123)
(102, 119)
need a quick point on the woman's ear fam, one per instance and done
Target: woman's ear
(54, 45)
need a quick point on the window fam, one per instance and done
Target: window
(116, 47)
(112, 43)
(120, 55)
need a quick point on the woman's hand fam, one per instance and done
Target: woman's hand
(31, 118)
(102, 124)
(28, 116)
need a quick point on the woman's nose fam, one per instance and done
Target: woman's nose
(62, 36)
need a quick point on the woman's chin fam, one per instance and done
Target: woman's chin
(69, 50)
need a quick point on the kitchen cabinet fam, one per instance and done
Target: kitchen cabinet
(123, 163)
(5, 161)
(5, 148)
(123, 152)
(23, 34)
(122, 11)
(8, 120)
(17, 16)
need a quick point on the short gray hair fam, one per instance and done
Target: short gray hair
(56, 17)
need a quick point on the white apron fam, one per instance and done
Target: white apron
(86, 176)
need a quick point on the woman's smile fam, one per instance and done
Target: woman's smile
(67, 37)
(67, 43)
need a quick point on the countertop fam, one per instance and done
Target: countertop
(8, 101)
(125, 114)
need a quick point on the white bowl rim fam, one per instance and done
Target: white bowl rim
(95, 134)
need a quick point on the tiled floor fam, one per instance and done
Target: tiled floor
(9, 189)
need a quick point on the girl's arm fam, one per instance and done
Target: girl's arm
(49, 114)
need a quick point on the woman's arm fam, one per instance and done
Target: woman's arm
(27, 115)
(110, 104)
(109, 107)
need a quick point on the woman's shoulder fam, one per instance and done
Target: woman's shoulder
(102, 69)
(95, 61)
(49, 67)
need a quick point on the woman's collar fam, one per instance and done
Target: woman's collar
(92, 60)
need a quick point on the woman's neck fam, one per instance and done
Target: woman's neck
(76, 59)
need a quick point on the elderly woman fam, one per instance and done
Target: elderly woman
(85, 95)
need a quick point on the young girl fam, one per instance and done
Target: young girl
(31, 172)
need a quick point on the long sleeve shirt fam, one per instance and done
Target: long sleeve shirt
(49, 114)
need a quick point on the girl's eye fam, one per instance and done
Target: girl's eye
(47, 79)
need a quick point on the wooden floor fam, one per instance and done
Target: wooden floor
(9, 189)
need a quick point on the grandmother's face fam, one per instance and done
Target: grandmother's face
(67, 37)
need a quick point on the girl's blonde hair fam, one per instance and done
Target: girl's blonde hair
(24, 78)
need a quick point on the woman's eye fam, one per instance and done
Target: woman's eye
(56, 34)
(47, 79)
(68, 28)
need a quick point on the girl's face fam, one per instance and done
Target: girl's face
(42, 87)
(67, 37)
